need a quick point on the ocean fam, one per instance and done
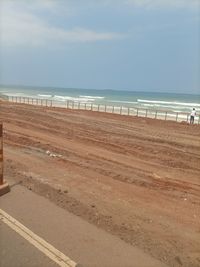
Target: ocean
(119, 98)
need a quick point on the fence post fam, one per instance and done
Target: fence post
(1, 153)
(187, 117)
(176, 116)
(4, 187)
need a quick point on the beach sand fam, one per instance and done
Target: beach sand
(137, 178)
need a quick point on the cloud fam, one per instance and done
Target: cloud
(164, 3)
(20, 26)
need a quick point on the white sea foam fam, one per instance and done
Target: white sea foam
(47, 96)
(15, 94)
(119, 101)
(76, 99)
(169, 103)
(91, 97)
(171, 107)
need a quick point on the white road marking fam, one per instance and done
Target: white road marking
(50, 251)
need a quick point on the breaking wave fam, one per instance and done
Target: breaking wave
(168, 103)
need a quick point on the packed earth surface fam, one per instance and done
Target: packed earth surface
(136, 178)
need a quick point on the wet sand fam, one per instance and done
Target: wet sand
(134, 177)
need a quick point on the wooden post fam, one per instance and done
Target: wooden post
(176, 116)
(1, 153)
(4, 187)
(188, 117)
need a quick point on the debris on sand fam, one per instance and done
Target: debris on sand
(50, 154)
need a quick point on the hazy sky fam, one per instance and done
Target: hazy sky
(147, 45)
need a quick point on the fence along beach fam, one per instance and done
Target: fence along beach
(122, 110)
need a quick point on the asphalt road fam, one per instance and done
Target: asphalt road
(15, 251)
(76, 238)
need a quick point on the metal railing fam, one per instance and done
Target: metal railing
(131, 111)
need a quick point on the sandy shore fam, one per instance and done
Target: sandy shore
(134, 177)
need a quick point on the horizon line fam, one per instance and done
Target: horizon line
(97, 89)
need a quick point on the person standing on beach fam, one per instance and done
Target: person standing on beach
(192, 115)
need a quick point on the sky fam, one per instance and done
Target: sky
(136, 45)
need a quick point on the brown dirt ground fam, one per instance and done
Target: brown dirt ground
(134, 177)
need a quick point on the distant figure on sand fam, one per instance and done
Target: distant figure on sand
(192, 115)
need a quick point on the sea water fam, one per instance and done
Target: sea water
(120, 98)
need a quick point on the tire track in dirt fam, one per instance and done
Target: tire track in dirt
(136, 178)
